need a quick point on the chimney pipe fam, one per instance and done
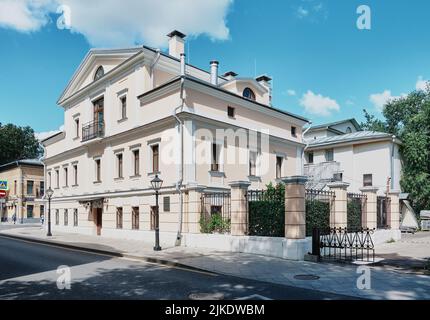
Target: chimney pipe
(214, 72)
(183, 65)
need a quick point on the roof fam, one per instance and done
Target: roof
(263, 78)
(332, 124)
(349, 137)
(176, 33)
(214, 87)
(17, 163)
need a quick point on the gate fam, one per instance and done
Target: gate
(215, 214)
(383, 212)
(343, 244)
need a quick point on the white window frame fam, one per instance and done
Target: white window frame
(95, 169)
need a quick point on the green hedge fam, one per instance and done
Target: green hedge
(354, 214)
(267, 216)
(317, 215)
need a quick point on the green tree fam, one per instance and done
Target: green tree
(409, 119)
(17, 143)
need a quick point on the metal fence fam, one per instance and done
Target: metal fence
(344, 245)
(383, 212)
(266, 212)
(356, 211)
(319, 205)
(215, 212)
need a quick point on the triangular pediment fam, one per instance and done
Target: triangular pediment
(85, 73)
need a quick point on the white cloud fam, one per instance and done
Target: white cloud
(421, 84)
(43, 135)
(111, 23)
(302, 12)
(379, 100)
(291, 92)
(318, 105)
(349, 102)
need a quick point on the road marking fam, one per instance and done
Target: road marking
(254, 297)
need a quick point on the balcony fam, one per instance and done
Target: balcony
(322, 173)
(93, 130)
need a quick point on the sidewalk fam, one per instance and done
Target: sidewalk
(334, 278)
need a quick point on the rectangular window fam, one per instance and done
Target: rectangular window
(166, 204)
(215, 157)
(120, 165)
(294, 131)
(66, 217)
(75, 174)
(75, 217)
(135, 218)
(136, 160)
(42, 210)
(310, 157)
(66, 177)
(77, 128)
(252, 163)
(367, 180)
(119, 218)
(57, 176)
(155, 158)
(123, 107)
(279, 162)
(329, 155)
(230, 112)
(98, 170)
(30, 187)
(57, 217)
(42, 188)
(30, 211)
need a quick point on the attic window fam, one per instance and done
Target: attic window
(348, 130)
(99, 73)
(249, 94)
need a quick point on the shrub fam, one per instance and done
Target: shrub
(317, 215)
(354, 214)
(214, 223)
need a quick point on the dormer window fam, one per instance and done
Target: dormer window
(99, 73)
(348, 130)
(249, 94)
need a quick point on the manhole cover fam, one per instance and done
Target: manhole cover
(206, 296)
(306, 277)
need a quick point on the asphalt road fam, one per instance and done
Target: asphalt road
(29, 271)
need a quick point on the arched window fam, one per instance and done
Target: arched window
(99, 73)
(249, 94)
(348, 130)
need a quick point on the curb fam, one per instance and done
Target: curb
(116, 254)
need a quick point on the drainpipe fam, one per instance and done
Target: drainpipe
(42, 159)
(307, 145)
(392, 173)
(151, 68)
(181, 152)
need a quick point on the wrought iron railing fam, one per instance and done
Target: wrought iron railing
(344, 244)
(215, 212)
(93, 130)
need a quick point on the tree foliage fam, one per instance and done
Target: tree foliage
(17, 143)
(409, 119)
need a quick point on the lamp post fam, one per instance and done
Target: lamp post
(49, 194)
(156, 185)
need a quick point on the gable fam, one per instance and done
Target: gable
(84, 75)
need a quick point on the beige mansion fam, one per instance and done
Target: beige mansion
(131, 114)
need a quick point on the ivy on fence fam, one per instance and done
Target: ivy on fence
(267, 212)
(354, 214)
(317, 210)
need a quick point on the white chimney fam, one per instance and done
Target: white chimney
(265, 81)
(176, 43)
(214, 72)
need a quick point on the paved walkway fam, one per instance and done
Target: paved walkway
(334, 278)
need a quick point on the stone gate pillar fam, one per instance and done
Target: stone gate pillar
(339, 212)
(192, 210)
(395, 209)
(239, 207)
(371, 207)
(295, 213)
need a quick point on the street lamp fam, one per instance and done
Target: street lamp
(156, 185)
(49, 194)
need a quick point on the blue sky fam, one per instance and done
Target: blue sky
(323, 66)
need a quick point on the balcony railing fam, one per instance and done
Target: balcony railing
(322, 173)
(93, 130)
